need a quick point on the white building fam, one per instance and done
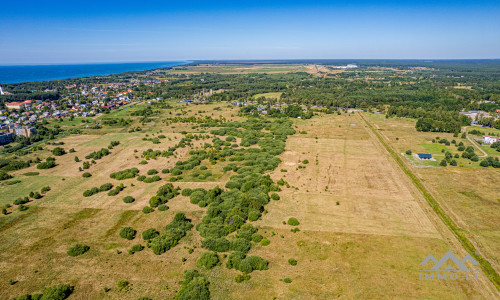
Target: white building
(488, 140)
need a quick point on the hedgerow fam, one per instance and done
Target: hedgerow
(125, 174)
(98, 154)
(57, 292)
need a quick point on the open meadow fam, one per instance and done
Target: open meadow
(469, 192)
(363, 228)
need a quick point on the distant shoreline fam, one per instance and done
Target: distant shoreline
(29, 73)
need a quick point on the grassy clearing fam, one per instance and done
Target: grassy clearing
(489, 271)
(342, 250)
(276, 96)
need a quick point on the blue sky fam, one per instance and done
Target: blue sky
(114, 31)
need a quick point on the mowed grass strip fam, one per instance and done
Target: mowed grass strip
(457, 231)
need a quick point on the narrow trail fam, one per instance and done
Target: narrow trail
(464, 129)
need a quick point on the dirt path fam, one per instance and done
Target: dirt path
(474, 143)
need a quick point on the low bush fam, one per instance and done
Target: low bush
(275, 196)
(128, 199)
(216, 244)
(293, 221)
(125, 174)
(256, 237)
(57, 292)
(152, 179)
(78, 249)
(194, 286)
(50, 162)
(186, 192)
(58, 151)
(4, 176)
(175, 230)
(162, 207)
(265, 242)
(150, 234)
(246, 264)
(241, 245)
(242, 277)
(137, 248)
(152, 172)
(105, 187)
(147, 210)
(128, 233)
(292, 261)
(208, 260)
(86, 175)
(123, 285)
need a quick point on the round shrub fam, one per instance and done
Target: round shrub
(265, 242)
(176, 172)
(128, 233)
(275, 196)
(128, 199)
(137, 248)
(152, 172)
(186, 192)
(141, 178)
(197, 196)
(78, 249)
(86, 175)
(147, 209)
(113, 192)
(241, 245)
(150, 234)
(203, 168)
(216, 244)
(253, 215)
(87, 193)
(162, 207)
(292, 261)
(256, 237)
(208, 260)
(287, 280)
(293, 221)
(165, 171)
(242, 277)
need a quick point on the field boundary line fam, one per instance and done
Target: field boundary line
(488, 270)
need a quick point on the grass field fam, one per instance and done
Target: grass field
(364, 227)
(275, 96)
(469, 194)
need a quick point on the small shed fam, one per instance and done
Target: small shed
(424, 156)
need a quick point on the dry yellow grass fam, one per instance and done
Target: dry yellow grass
(369, 246)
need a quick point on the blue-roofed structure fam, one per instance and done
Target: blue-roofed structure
(424, 156)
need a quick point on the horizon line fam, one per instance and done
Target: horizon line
(238, 60)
